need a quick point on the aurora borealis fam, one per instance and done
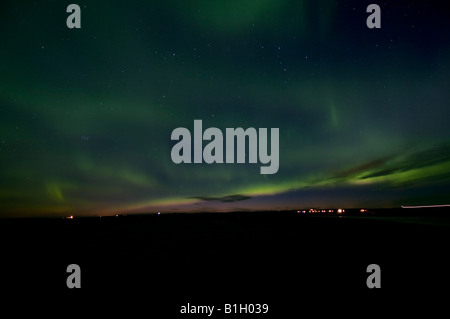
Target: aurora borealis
(86, 114)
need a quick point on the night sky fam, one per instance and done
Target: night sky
(86, 114)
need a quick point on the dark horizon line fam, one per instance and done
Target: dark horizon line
(306, 211)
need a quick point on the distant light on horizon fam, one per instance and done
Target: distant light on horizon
(427, 206)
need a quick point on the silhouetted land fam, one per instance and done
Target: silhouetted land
(290, 261)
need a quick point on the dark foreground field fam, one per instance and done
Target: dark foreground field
(155, 264)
